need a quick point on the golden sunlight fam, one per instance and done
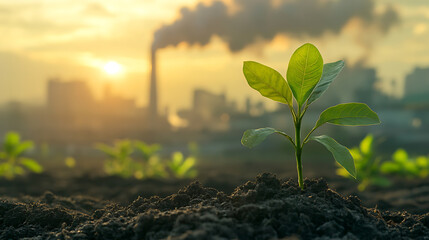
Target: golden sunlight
(112, 68)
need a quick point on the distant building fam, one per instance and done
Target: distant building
(417, 82)
(209, 111)
(416, 92)
(74, 115)
(72, 97)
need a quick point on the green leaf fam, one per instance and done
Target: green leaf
(124, 148)
(186, 166)
(147, 150)
(422, 162)
(390, 167)
(304, 71)
(330, 72)
(253, 137)
(11, 141)
(341, 154)
(348, 114)
(108, 150)
(366, 144)
(356, 154)
(400, 156)
(22, 147)
(31, 165)
(268, 82)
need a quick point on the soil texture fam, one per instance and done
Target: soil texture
(267, 208)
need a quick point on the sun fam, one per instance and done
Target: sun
(112, 68)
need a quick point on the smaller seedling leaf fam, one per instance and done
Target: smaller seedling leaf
(253, 137)
(390, 167)
(268, 82)
(330, 72)
(366, 145)
(21, 148)
(109, 151)
(341, 154)
(356, 154)
(422, 161)
(304, 71)
(70, 162)
(349, 114)
(31, 165)
(147, 150)
(400, 156)
(11, 141)
(186, 166)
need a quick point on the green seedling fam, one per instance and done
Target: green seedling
(147, 150)
(11, 161)
(151, 166)
(182, 167)
(119, 160)
(307, 79)
(367, 165)
(404, 166)
(70, 162)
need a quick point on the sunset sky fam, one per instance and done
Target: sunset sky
(74, 39)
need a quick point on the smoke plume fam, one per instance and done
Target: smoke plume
(264, 19)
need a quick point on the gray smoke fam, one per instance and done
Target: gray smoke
(262, 19)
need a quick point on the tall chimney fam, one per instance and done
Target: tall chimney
(153, 94)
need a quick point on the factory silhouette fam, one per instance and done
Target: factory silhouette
(72, 116)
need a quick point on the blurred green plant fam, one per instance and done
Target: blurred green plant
(149, 165)
(404, 166)
(70, 162)
(147, 150)
(367, 165)
(11, 161)
(182, 167)
(119, 160)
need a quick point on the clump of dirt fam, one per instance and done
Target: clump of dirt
(266, 208)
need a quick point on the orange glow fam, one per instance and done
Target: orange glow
(112, 68)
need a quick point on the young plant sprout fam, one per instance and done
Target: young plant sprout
(119, 160)
(367, 165)
(307, 79)
(182, 167)
(11, 160)
(403, 165)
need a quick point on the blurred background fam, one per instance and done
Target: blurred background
(77, 73)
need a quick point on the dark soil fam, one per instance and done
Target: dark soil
(267, 208)
(404, 195)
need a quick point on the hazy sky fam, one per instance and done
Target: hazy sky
(74, 39)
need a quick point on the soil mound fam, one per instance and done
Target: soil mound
(266, 208)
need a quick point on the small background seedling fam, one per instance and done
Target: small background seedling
(119, 160)
(373, 171)
(367, 165)
(404, 166)
(148, 163)
(12, 162)
(307, 79)
(70, 162)
(182, 167)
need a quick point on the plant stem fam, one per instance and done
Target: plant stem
(298, 152)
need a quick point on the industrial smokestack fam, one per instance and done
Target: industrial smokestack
(263, 19)
(153, 90)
